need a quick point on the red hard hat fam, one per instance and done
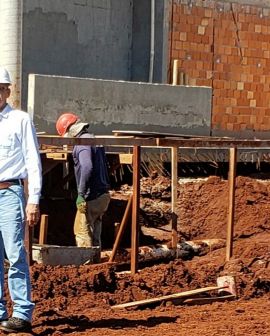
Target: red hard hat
(64, 122)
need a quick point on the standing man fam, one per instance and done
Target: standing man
(92, 181)
(19, 159)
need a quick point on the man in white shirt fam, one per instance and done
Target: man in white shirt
(19, 160)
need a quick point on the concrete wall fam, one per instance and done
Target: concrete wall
(118, 105)
(80, 38)
(141, 34)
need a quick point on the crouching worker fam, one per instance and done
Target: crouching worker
(92, 181)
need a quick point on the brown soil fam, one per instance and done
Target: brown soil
(78, 300)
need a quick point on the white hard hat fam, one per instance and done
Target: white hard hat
(4, 76)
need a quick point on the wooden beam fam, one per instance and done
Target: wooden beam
(167, 297)
(135, 210)
(230, 224)
(155, 141)
(128, 141)
(212, 143)
(123, 225)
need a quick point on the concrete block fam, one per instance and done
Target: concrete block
(65, 255)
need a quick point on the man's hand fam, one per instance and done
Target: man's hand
(81, 204)
(32, 214)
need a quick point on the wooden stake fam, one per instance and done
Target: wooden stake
(174, 157)
(174, 164)
(230, 225)
(135, 210)
(122, 228)
(43, 229)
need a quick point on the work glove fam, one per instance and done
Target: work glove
(81, 204)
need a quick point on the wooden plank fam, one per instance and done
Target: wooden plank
(105, 141)
(190, 142)
(146, 134)
(56, 156)
(149, 134)
(125, 158)
(168, 297)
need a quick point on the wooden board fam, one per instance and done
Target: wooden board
(161, 135)
(126, 158)
(168, 297)
(56, 156)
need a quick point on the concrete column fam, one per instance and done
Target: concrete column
(11, 45)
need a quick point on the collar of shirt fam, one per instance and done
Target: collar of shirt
(6, 110)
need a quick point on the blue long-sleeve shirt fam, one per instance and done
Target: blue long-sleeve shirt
(90, 168)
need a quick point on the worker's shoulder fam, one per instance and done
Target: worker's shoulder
(19, 114)
(87, 135)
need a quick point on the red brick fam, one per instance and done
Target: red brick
(183, 36)
(208, 13)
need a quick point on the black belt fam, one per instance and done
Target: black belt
(8, 183)
(16, 181)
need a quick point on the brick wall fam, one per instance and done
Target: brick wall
(225, 46)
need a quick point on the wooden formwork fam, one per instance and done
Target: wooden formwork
(57, 148)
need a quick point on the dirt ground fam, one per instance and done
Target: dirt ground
(78, 300)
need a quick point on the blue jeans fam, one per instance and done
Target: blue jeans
(12, 214)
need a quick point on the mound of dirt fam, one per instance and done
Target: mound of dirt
(79, 300)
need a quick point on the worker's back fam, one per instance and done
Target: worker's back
(91, 170)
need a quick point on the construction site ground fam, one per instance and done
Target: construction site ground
(78, 300)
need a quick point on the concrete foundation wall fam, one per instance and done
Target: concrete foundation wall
(79, 38)
(118, 105)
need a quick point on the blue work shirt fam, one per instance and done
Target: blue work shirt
(90, 168)
(19, 153)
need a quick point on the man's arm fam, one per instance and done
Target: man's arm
(33, 165)
(86, 165)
